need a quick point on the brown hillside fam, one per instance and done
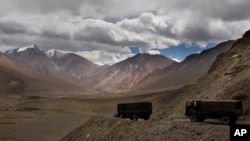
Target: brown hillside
(186, 72)
(124, 75)
(228, 78)
(17, 79)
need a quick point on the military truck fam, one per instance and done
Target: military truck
(226, 110)
(134, 111)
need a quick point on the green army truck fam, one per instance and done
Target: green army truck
(226, 110)
(134, 111)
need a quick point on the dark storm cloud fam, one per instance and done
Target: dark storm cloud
(205, 31)
(226, 10)
(85, 8)
(12, 28)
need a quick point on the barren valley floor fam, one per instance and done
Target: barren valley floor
(50, 119)
(92, 118)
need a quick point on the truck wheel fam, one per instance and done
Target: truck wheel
(225, 120)
(146, 117)
(233, 120)
(193, 118)
(135, 117)
(201, 119)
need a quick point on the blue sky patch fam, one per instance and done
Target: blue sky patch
(179, 52)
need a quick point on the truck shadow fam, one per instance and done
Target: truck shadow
(214, 122)
(245, 121)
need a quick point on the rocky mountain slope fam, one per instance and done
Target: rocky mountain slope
(10, 80)
(74, 65)
(124, 75)
(17, 79)
(228, 78)
(186, 72)
(101, 129)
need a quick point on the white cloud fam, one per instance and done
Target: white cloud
(63, 26)
(102, 57)
(154, 52)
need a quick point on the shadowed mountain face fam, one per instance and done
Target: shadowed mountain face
(11, 81)
(229, 76)
(75, 66)
(186, 72)
(17, 79)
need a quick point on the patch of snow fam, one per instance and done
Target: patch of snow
(27, 47)
(18, 50)
(54, 53)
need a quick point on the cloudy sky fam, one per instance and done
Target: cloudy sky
(107, 31)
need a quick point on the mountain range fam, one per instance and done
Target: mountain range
(185, 72)
(51, 68)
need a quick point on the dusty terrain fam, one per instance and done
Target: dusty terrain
(166, 123)
(49, 119)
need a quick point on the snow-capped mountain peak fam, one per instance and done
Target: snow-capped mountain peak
(54, 53)
(51, 53)
(33, 46)
(18, 50)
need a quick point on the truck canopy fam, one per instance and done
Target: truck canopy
(216, 105)
(135, 107)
